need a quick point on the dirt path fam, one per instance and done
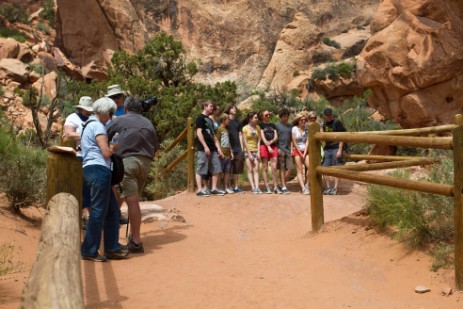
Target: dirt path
(248, 251)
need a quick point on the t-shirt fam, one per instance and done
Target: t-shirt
(235, 127)
(284, 136)
(269, 132)
(120, 111)
(301, 138)
(224, 141)
(207, 128)
(91, 152)
(252, 136)
(333, 126)
(73, 120)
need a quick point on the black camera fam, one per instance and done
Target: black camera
(147, 103)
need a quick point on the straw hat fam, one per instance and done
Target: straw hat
(114, 90)
(86, 104)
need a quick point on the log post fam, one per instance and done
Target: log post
(316, 184)
(64, 174)
(55, 280)
(191, 155)
(457, 199)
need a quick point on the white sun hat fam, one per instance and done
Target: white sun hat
(86, 104)
(114, 90)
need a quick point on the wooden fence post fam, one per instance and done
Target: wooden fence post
(457, 199)
(64, 174)
(191, 155)
(316, 184)
(55, 280)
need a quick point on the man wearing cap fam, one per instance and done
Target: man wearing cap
(116, 93)
(333, 150)
(138, 142)
(72, 130)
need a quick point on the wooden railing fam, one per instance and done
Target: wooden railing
(55, 280)
(410, 137)
(189, 153)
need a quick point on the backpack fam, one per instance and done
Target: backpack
(117, 164)
(117, 169)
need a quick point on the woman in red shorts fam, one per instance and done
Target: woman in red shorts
(299, 137)
(268, 150)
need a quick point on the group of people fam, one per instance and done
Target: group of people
(95, 126)
(225, 144)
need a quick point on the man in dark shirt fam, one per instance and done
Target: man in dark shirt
(234, 131)
(208, 151)
(285, 159)
(333, 150)
(138, 143)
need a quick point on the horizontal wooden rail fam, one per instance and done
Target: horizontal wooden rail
(428, 187)
(174, 163)
(386, 165)
(413, 132)
(422, 142)
(377, 157)
(177, 140)
(55, 280)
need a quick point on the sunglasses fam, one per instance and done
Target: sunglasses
(313, 118)
(267, 115)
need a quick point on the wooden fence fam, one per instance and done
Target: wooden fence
(411, 137)
(55, 280)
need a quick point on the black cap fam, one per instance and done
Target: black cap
(328, 111)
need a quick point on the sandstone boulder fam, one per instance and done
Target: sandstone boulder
(9, 48)
(66, 65)
(14, 69)
(46, 86)
(414, 63)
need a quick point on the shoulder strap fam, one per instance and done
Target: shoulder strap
(85, 125)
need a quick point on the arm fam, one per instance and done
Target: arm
(106, 150)
(217, 145)
(258, 144)
(245, 146)
(199, 134)
(293, 138)
(70, 132)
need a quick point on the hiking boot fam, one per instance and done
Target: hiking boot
(217, 192)
(202, 193)
(96, 258)
(333, 191)
(285, 190)
(117, 255)
(229, 191)
(277, 190)
(268, 190)
(327, 191)
(135, 248)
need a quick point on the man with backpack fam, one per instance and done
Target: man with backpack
(138, 142)
(332, 150)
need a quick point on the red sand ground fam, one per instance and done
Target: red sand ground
(248, 251)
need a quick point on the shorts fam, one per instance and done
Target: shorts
(207, 164)
(237, 164)
(226, 164)
(329, 158)
(253, 153)
(136, 170)
(296, 154)
(285, 160)
(264, 153)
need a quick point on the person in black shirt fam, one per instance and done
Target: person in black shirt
(235, 127)
(332, 150)
(268, 150)
(208, 151)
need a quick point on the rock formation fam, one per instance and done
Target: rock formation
(414, 61)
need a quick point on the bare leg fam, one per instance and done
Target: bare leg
(135, 217)
(273, 166)
(265, 171)
(299, 171)
(249, 171)
(256, 173)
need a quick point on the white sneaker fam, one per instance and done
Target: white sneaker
(229, 190)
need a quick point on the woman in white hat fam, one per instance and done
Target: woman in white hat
(299, 137)
(72, 130)
(116, 93)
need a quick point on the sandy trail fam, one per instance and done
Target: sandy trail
(257, 251)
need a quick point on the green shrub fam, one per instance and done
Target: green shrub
(43, 28)
(330, 42)
(168, 184)
(296, 73)
(48, 12)
(13, 33)
(443, 256)
(318, 74)
(13, 14)
(420, 218)
(6, 264)
(334, 71)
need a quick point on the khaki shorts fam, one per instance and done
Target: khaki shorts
(136, 170)
(285, 161)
